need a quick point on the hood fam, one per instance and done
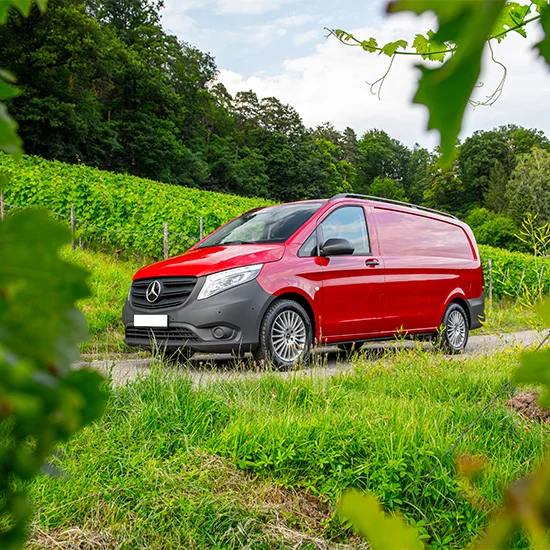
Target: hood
(204, 261)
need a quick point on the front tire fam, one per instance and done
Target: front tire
(286, 335)
(455, 330)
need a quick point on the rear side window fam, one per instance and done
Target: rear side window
(348, 223)
(403, 234)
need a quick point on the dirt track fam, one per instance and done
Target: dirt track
(326, 361)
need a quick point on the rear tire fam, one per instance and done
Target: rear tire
(286, 335)
(455, 330)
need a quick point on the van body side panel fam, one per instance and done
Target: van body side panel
(426, 260)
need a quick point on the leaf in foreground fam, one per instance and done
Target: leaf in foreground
(446, 90)
(382, 531)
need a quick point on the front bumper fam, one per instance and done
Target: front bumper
(476, 311)
(226, 323)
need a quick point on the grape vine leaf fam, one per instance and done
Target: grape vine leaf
(24, 7)
(36, 284)
(382, 531)
(370, 45)
(429, 48)
(447, 89)
(544, 45)
(391, 47)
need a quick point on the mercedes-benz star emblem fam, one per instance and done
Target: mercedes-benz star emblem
(153, 292)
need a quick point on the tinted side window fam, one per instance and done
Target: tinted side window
(348, 223)
(404, 234)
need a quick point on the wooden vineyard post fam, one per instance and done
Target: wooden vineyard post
(490, 267)
(165, 240)
(73, 227)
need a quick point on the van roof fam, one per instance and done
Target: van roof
(391, 201)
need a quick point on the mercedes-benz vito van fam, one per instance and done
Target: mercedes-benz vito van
(277, 280)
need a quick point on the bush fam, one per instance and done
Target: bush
(494, 230)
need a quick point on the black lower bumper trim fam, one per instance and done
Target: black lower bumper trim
(476, 311)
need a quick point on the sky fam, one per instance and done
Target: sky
(280, 48)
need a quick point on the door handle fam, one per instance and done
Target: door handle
(372, 263)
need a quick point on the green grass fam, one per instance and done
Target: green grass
(262, 462)
(507, 316)
(109, 281)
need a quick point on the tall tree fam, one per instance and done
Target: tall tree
(381, 156)
(477, 157)
(350, 146)
(529, 187)
(496, 193)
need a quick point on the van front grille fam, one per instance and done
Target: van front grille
(173, 336)
(174, 292)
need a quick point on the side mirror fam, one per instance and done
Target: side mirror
(337, 247)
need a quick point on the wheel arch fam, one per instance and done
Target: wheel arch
(461, 301)
(304, 302)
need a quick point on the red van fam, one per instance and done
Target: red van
(343, 271)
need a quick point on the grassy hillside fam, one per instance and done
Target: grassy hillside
(125, 211)
(260, 463)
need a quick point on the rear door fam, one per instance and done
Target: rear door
(352, 284)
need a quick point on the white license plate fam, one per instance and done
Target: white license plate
(151, 321)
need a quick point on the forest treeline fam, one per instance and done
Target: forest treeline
(102, 83)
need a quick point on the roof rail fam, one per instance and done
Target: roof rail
(391, 201)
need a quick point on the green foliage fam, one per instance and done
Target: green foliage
(381, 156)
(109, 281)
(41, 400)
(446, 190)
(465, 27)
(536, 237)
(544, 45)
(127, 212)
(429, 47)
(383, 532)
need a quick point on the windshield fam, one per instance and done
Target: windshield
(269, 225)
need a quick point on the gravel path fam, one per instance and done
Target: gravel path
(326, 362)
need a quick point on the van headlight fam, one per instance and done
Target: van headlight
(224, 280)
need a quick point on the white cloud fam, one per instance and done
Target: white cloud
(293, 21)
(249, 6)
(263, 33)
(307, 37)
(330, 85)
(279, 28)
